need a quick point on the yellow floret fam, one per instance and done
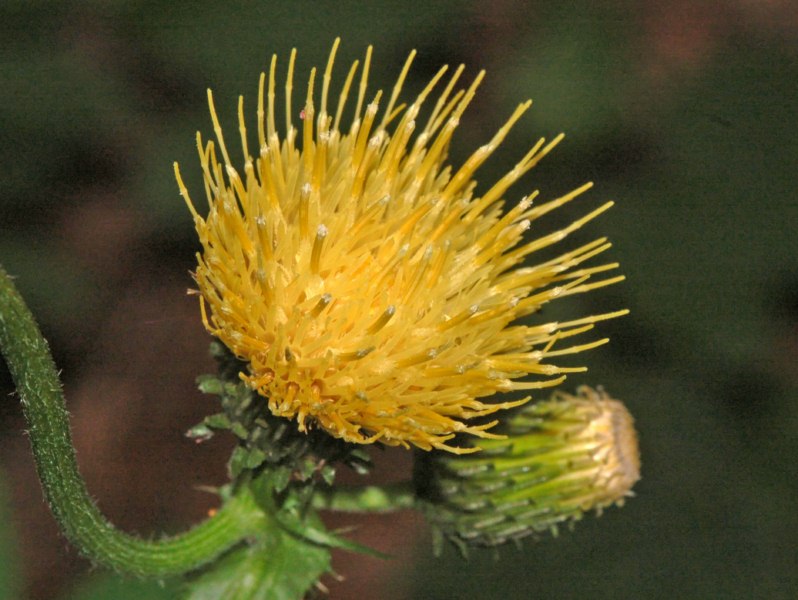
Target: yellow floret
(369, 290)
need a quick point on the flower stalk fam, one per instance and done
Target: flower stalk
(34, 373)
(368, 498)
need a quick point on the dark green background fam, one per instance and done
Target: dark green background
(682, 112)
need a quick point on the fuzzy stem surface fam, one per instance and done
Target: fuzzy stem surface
(34, 373)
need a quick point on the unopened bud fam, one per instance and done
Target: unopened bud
(561, 458)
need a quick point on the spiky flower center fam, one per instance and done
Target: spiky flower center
(367, 287)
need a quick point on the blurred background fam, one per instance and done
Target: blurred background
(682, 112)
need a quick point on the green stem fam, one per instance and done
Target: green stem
(370, 498)
(35, 376)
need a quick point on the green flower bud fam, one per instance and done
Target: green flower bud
(560, 458)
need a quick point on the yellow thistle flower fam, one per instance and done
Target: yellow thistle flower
(366, 286)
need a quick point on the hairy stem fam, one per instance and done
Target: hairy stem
(39, 388)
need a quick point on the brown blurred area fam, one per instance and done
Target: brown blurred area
(131, 344)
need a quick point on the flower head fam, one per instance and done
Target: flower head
(562, 457)
(368, 288)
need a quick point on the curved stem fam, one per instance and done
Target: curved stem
(370, 498)
(35, 376)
